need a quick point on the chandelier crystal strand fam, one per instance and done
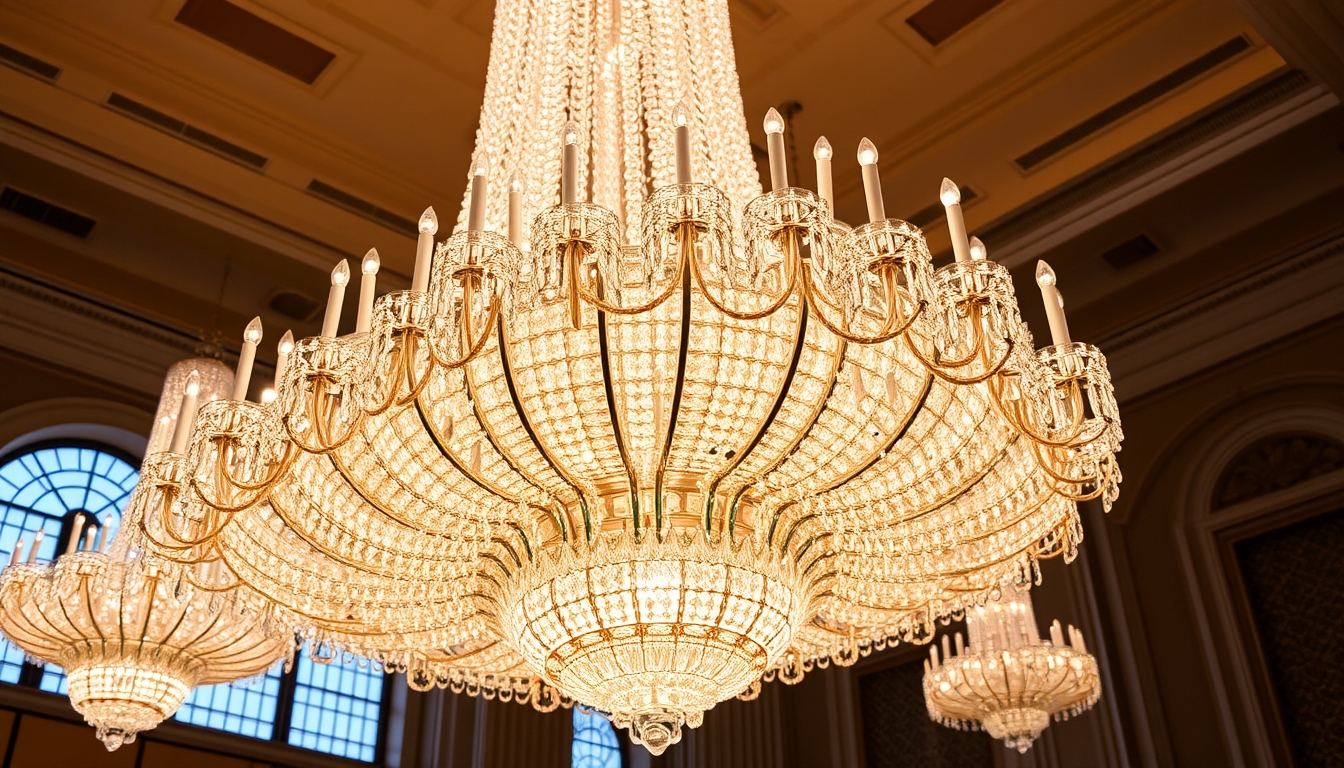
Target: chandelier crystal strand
(681, 421)
(1008, 681)
(133, 632)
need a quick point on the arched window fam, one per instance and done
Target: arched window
(44, 487)
(595, 742)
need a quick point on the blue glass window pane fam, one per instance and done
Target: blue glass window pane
(38, 490)
(247, 707)
(336, 708)
(595, 742)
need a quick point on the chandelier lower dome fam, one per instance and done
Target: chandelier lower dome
(653, 632)
(123, 699)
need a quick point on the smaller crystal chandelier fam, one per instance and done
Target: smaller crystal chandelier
(133, 632)
(1009, 682)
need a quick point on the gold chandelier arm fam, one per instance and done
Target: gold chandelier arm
(1014, 413)
(933, 367)
(593, 295)
(790, 267)
(973, 318)
(814, 303)
(319, 406)
(275, 471)
(403, 367)
(675, 409)
(477, 344)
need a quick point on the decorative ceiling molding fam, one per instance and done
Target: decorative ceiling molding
(1260, 116)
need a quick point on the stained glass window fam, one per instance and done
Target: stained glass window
(41, 489)
(337, 707)
(595, 742)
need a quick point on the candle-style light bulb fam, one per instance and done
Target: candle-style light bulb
(872, 181)
(1054, 303)
(186, 413)
(282, 351)
(335, 299)
(37, 542)
(268, 395)
(570, 136)
(424, 249)
(368, 285)
(681, 122)
(252, 333)
(516, 209)
(950, 194)
(246, 357)
(774, 144)
(978, 249)
(822, 153)
(480, 184)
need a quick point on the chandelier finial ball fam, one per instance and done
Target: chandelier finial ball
(867, 152)
(253, 331)
(429, 222)
(371, 262)
(950, 193)
(773, 122)
(341, 274)
(1044, 274)
(822, 149)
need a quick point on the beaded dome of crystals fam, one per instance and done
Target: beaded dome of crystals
(134, 633)
(647, 451)
(1008, 681)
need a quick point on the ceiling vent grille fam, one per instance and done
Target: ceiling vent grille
(1134, 102)
(941, 19)
(253, 36)
(1130, 252)
(363, 207)
(29, 65)
(43, 212)
(189, 133)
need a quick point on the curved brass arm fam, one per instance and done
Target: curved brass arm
(590, 295)
(476, 345)
(932, 366)
(815, 306)
(790, 267)
(1016, 416)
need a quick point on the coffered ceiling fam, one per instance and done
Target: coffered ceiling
(218, 180)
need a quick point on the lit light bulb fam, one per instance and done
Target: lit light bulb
(681, 114)
(253, 331)
(571, 134)
(286, 344)
(773, 122)
(950, 193)
(822, 149)
(193, 386)
(341, 274)
(268, 396)
(1045, 276)
(481, 165)
(978, 249)
(429, 221)
(371, 262)
(515, 182)
(867, 152)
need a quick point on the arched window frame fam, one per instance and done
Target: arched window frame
(277, 689)
(595, 743)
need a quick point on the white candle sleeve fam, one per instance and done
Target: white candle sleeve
(872, 181)
(424, 250)
(368, 287)
(331, 322)
(774, 146)
(246, 357)
(821, 152)
(950, 195)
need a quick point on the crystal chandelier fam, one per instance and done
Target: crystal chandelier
(135, 633)
(1008, 681)
(647, 451)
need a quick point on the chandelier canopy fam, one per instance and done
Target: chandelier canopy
(1007, 681)
(133, 632)
(648, 450)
